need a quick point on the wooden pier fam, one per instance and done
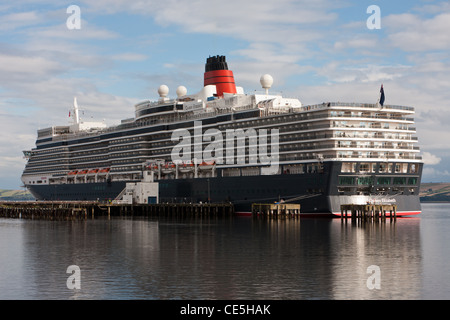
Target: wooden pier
(369, 212)
(82, 210)
(276, 210)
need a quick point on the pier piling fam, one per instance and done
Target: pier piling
(276, 210)
(369, 212)
(78, 210)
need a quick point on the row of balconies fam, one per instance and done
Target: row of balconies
(287, 127)
(372, 151)
(283, 138)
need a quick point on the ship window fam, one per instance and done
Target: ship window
(346, 180)
(385, 167)
(367, 167)
(365, 180)
(364, 167)
(401, 167)
(399, 180)
(413, 168)
(384, 180)
(344, 189)
(348, 167)
(412, 181)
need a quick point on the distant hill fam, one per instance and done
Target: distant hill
(435, 192)
(15, 195)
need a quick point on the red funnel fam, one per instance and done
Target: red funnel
(217, 73)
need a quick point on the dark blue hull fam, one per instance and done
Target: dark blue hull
(317, 193)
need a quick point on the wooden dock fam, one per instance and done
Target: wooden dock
(369, 212)
(82, 210)
(276, 210)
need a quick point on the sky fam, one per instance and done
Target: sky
(123, 50)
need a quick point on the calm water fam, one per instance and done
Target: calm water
(237, 258)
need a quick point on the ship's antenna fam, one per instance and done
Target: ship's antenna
(75, 109)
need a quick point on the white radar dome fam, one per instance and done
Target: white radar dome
(266, 81)
(163, 91)
(181, 91)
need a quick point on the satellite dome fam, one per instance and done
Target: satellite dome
(181, 91)
(163, 91)
(266, 81)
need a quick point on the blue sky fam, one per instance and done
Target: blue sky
(315, 50)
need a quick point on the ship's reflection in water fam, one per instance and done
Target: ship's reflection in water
(240, 258)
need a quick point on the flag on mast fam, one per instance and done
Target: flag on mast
(381, 95)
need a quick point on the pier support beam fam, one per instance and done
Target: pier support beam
(369, 212)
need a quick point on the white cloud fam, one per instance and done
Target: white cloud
(12, 66)
(430, 159)
(129, 57)
(17, 20)
(410, 32)
(360, 42)
(287, 23)
(430, 174)
(87, 31)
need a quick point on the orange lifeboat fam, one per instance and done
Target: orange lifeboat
(186, 166)
(205, 165)
(168, 167)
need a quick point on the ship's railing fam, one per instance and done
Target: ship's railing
(175, 117)
(312, 116)
(349, 135)
(378, 116)
(385, 158)
(340, 126)
(149, 104)
(354, 104)
(289, 147)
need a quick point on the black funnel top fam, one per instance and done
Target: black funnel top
(216, 63)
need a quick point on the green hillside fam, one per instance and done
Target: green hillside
(435, 192)
(15, 195)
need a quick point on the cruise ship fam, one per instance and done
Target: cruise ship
(224, 145)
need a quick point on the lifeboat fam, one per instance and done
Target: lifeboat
(71, 173)
(168, 167)
(186, 167)
(93, 171)
(82, 172)
(153, 167)
(104, 170)
(206, 165)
